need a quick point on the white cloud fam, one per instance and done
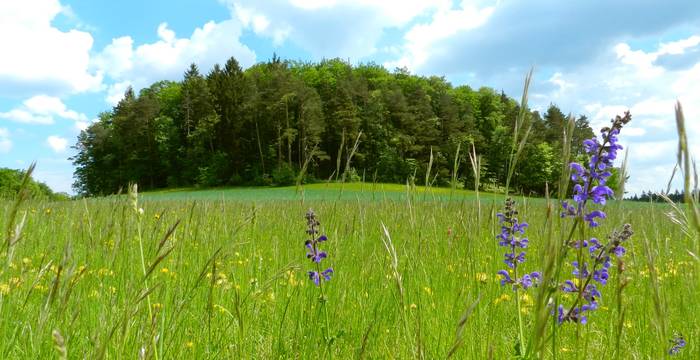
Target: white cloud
(5, 142)
(49, 105)
(26, 117)
(680, 46)
(38, 56)
(351, 28)
(642, 62)
(41, 109)
(313, 4)
(116, 58)
(168, 58)
(445, 22)
(635, 131)
(57, 144)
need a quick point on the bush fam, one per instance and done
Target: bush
(283, 175)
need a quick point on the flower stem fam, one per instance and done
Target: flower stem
(517, 301)
(145, 281)
(520, 323)
(322, 300)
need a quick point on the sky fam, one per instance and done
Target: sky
(65, 61)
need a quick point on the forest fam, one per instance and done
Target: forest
(279, 121)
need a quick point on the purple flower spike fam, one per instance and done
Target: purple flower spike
(312, 249)
(677, 343)
(592, 269)
(510, 237)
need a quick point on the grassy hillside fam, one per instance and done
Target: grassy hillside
(230, 281)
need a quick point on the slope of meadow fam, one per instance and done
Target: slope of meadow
(230, 280)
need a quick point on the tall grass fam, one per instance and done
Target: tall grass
(233, 286)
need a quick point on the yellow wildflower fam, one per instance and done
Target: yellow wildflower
(291, 278)
(105, 272)
(502, 298)
(221, 309)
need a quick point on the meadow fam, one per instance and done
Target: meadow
(223, 274)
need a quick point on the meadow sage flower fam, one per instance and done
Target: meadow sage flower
(677, 343)
(511, 238)
(592, 267)
(312, 249)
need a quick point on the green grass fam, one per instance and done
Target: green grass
(235, 286)
(316, 192)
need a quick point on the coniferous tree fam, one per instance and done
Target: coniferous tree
(261, 125)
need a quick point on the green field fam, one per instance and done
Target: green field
(230, 282)
(318, 192)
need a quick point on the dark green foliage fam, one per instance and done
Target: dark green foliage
(260, 126)
(283, 175)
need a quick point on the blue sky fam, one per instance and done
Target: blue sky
(64, 61)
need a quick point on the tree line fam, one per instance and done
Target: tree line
(281, 120)
(11, 182)
(653, 196)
